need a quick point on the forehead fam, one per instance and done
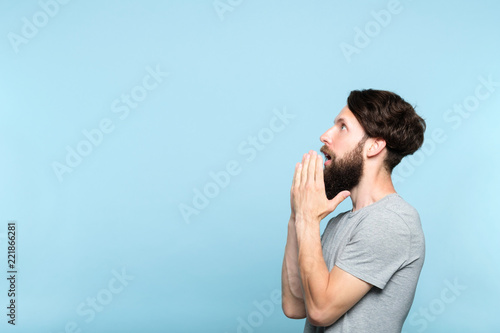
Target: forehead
(347, 116)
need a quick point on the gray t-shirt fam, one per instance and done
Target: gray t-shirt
(382, 244)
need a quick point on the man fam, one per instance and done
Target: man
(361, 274)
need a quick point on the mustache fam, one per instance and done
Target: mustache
(325, 150)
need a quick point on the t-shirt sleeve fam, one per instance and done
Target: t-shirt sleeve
(377, 248)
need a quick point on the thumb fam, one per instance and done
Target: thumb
(333, 203)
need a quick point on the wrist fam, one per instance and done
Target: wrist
(304, 219)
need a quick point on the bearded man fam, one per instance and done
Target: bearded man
(360, 275)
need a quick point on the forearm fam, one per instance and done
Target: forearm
(312, 267)
(292, 292)
(292, 261)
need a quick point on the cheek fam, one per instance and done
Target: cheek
(338, 152)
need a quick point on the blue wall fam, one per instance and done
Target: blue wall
(148, 148)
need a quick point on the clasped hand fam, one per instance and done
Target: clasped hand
(307, 196)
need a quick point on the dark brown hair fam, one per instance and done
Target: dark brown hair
(384, 114)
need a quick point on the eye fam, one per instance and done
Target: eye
(343, 127)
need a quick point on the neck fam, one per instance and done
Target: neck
(372, 187)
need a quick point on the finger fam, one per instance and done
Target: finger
(305, 166)
(296, 176)
(319, 170)
(333, 203)
(312, 167)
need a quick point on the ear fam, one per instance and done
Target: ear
(376, 145)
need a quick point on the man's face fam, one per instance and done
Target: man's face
(343, 149)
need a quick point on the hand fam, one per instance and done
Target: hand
(307, 196)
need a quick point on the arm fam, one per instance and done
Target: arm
(291, 286)
(327, 295)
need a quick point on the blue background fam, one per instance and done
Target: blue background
(231, 66)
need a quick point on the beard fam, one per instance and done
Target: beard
(343, 174)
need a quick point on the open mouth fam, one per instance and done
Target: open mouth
(328, 158)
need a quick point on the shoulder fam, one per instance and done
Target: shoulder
(397, 224)
(391, 217)
(402, 208)
(394, 209)
(404, 214)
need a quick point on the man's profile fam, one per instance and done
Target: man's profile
(360, 275)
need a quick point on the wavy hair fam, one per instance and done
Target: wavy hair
(384, 114)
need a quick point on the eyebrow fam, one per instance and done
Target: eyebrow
(340, 119)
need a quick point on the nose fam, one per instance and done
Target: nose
(326, 137)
